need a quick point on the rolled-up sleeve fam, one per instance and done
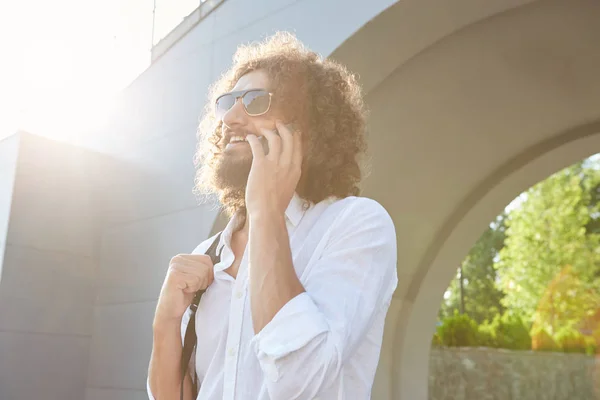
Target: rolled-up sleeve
(304, 347)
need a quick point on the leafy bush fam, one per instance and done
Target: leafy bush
(571, 341)
(592, 343)
(458, 331)
(513, 333)
(591, 347)
(487, 334)
(541, 340)
(510, 332)
(507, 331)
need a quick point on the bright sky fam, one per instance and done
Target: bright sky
(62, 61)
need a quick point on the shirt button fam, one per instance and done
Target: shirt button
(239, 294)
(231, 352)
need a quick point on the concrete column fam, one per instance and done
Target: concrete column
(384, 378)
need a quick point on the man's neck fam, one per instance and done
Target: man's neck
(244, 230)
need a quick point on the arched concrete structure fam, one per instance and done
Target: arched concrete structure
(472, 103)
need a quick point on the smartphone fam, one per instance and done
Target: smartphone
(265, 142)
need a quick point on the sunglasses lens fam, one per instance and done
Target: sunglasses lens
(223, 104)
(257, 102)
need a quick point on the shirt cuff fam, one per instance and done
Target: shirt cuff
(295, 324)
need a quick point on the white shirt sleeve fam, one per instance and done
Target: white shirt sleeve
(317, 331)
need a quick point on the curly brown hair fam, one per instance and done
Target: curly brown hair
(322, 98)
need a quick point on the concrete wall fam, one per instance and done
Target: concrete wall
(47, 286)
(9, 148)
(498, 374)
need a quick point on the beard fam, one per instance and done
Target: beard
(230, 177)
(226, 174)
(233, 168)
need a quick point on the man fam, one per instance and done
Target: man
(295, 308)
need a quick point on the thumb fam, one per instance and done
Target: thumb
(189, 290)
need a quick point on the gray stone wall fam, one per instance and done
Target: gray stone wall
(497, 374)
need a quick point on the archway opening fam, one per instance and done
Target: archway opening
(521, 318)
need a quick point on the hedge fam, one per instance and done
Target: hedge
(508, 331)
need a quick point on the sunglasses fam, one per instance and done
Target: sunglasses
(255, 101)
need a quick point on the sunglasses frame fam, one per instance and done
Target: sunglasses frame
(239, 94)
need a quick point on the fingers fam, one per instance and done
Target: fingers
(192, 259)
(198, 270)
(191, 272)
(297, 150)
(185, 278)
(292, 148)
(257, 151)
(287, 140)
(284, 148)
(274, 141)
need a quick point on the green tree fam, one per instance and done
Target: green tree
(551, 244)
(478, 297)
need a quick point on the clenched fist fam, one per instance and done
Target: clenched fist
(187, 274)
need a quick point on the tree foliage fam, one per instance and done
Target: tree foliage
(481, 296)
(549, 268)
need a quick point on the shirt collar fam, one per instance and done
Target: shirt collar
(296, 209)
(294, 213)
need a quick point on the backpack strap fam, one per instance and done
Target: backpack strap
(190, 339)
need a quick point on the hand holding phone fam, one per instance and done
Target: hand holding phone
(265, 144)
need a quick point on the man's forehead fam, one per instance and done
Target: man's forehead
(252, 80)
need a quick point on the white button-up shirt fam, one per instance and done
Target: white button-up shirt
(325, 342)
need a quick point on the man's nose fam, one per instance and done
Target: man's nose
(235, 115)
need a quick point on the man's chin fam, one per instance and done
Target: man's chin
(232, 171)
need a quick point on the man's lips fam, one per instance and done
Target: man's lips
(238, 143)
(234, 140)
(230, 146)
(228, 135)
